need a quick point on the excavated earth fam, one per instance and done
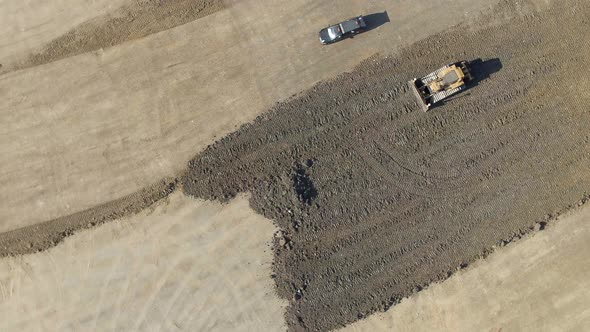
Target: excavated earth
(376, 199)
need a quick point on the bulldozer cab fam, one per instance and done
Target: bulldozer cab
(450, 78)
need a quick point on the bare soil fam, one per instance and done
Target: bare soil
(180, 265)
(42, 236)
(132, 21)
(377, 199)
(539, 283)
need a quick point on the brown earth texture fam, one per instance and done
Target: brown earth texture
(131, 21)
(376, 199)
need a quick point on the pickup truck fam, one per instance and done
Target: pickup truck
(342, 30)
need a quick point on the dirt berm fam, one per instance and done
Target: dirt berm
(42, 236)
(132, 21)
(377, 199)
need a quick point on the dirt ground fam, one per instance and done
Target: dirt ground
(377, 199)
(28, 25)
(41, 236)
(96, 127)
(181, 265)
(374, 199)
(536, 284)
(147, 273)
(129, 22)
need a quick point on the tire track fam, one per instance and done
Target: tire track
(405, 198)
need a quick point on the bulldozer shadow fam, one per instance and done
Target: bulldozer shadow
(482, 70)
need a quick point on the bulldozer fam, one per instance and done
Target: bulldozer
(441, 83)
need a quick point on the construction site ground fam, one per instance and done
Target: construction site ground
(148, 273)
(208, 165)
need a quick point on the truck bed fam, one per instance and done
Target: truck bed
(352, 24)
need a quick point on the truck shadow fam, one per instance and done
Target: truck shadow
(376, 20)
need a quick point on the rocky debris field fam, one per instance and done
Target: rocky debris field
(376, 199)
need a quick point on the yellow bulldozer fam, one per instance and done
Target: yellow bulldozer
(441, 84)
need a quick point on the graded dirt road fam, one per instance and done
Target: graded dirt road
(377, 199)
(95, 127)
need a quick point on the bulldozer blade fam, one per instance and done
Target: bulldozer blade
(423, 105)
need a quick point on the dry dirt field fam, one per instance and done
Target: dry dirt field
(366, 199)
(537, 284)
(188, 265)
(101, 125)
(181, 265)
(376, 200)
